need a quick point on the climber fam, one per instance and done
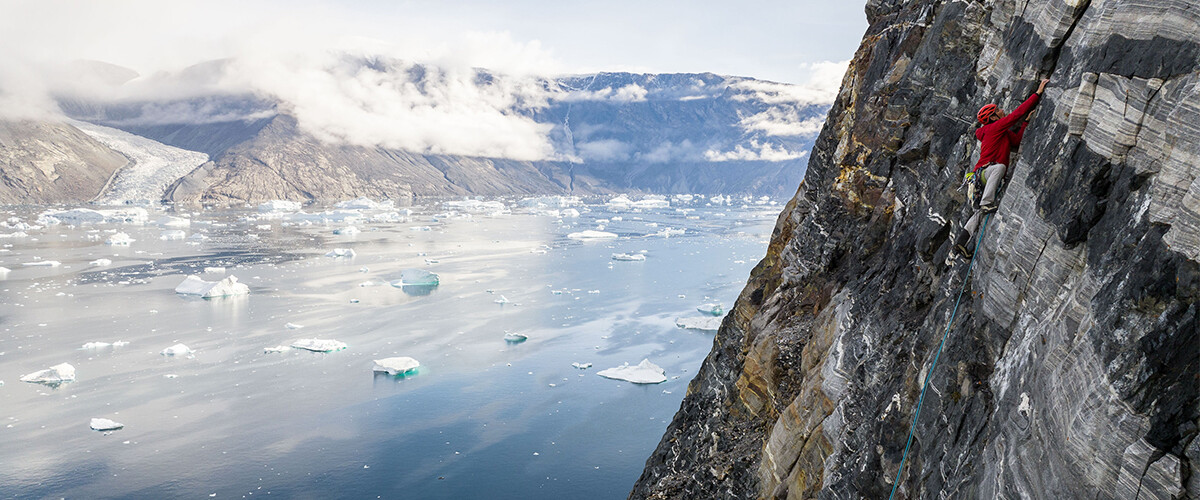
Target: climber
(998, 134)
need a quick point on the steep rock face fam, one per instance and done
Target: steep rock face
(1072, 366)
(47, 162)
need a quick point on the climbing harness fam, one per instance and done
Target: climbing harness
(929, 376)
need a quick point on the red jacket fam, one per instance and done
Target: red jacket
(998, 138)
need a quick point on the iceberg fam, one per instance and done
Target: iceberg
(582, 366)
(172, 235)
(550, 202)
(276, 349)
(56, 374)
(644, 373)
(591, 235)
(570, 213)
(502, 300)
(193, 285)
(711, 309)
(81, 216)
(278, 206)
(100, 263)
(42, 263)
(341, 252)
(214, 270)
(400, 365)
(319, 345)
(169, 221)
(176, 350)
(104, 424)
(515, 338)
(120, 239)
(706, 323)
(348, 231)
(365, 204)
(651, 202)
(293, 326)
(419, 277)
(632, 257)
(619, 202)
(669, 232)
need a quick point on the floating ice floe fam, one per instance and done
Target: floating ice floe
(193, 285)
(341, 253)
(400, 365)
(100, 263)
(104, 424)
(707, 323)
(293, 326)
(348, 231)
(515, 338)
(56, 374)
(492, 208)
(502, 300)
(319, 345)
(276, 349)
(169, 221)
(42, 263)
(176, 350)
(16, 234)
(214, 270)
(582, 366)
(4, 270)
(418, 277)
(644, 373)
(365, 204)
(569, 213)
(669, 232)
(550, 202)
(120, 239)
(279, 206)
(197, 237)
(80, 216)
(632, 257)
(172, 235)
(101, 345)
(420, 228)
(711, 309)
(592, 235)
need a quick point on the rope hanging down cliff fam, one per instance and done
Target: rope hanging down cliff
(929, 375)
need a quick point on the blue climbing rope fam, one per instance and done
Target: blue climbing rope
(928, 376)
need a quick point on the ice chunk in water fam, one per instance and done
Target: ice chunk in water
(100, 263)
(293, 326)
(104, 424)
(193, 285)
(278, 348)
(169, 221)
(708, 323)
(591, 235)
(515, 338)
(214, 270)
(366, 204)
(582, 366)
(418, 277)
(176, 350)
(96, 345)
(632, 257)
(348, 230)
(570, 213)
(173, 235)
(400, 365)
(711, 309)
(644, 373)
(56, 374)
(669, 232)
(42, 263)
(319, 345)
(502, 300)
(341, 253)
(279, 206)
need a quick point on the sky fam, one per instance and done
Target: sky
(306, 55)
(776, 40)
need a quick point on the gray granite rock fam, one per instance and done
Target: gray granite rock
(1071, 367)
(51, 162)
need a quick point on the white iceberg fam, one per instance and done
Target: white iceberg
(214, 270)
(293, 326)
(652, 201)
(706, 323)
(570, 213)
(418, 277)
(80, 216)
(100, 263)
(515, 338)
(365, 204)
(591, 235)
(341, 253)
(644, 373)
(502, 300)
(319, 345)
(619, 202)
(172, 235)
(669, 232)
(176, 350)
(193, 285)
(400, 365)
(120, 239)
(279, 206)
(42, 263)
(631, 257)
(348, 231)
(582, 366)
(169, 221)
(56, 374)
(96, 345)
(711, 309)
(550, 202)
(104, 424)
(276, 349)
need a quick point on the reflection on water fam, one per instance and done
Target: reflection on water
(483, 417)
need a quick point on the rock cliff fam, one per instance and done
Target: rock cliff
(1072, 368)
(48, 162)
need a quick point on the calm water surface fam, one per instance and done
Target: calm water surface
(481, 419)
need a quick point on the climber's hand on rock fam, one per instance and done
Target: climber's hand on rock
(1042, 86)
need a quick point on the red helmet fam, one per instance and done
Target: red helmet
(986, 112)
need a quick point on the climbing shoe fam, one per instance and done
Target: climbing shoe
(961, 245)
(988, 208)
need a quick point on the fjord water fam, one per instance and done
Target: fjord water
(482, 418)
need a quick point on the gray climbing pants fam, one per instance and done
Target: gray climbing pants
(991, 182)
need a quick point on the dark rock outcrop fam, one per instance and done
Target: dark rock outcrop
(49, 162)
(1073, 365)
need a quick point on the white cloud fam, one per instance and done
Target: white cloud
(756, 152)
(781, 121)
(669, 151)
(788, 102)
(604, 150)
(631, 93)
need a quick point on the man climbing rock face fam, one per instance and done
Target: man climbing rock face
(999, 133)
